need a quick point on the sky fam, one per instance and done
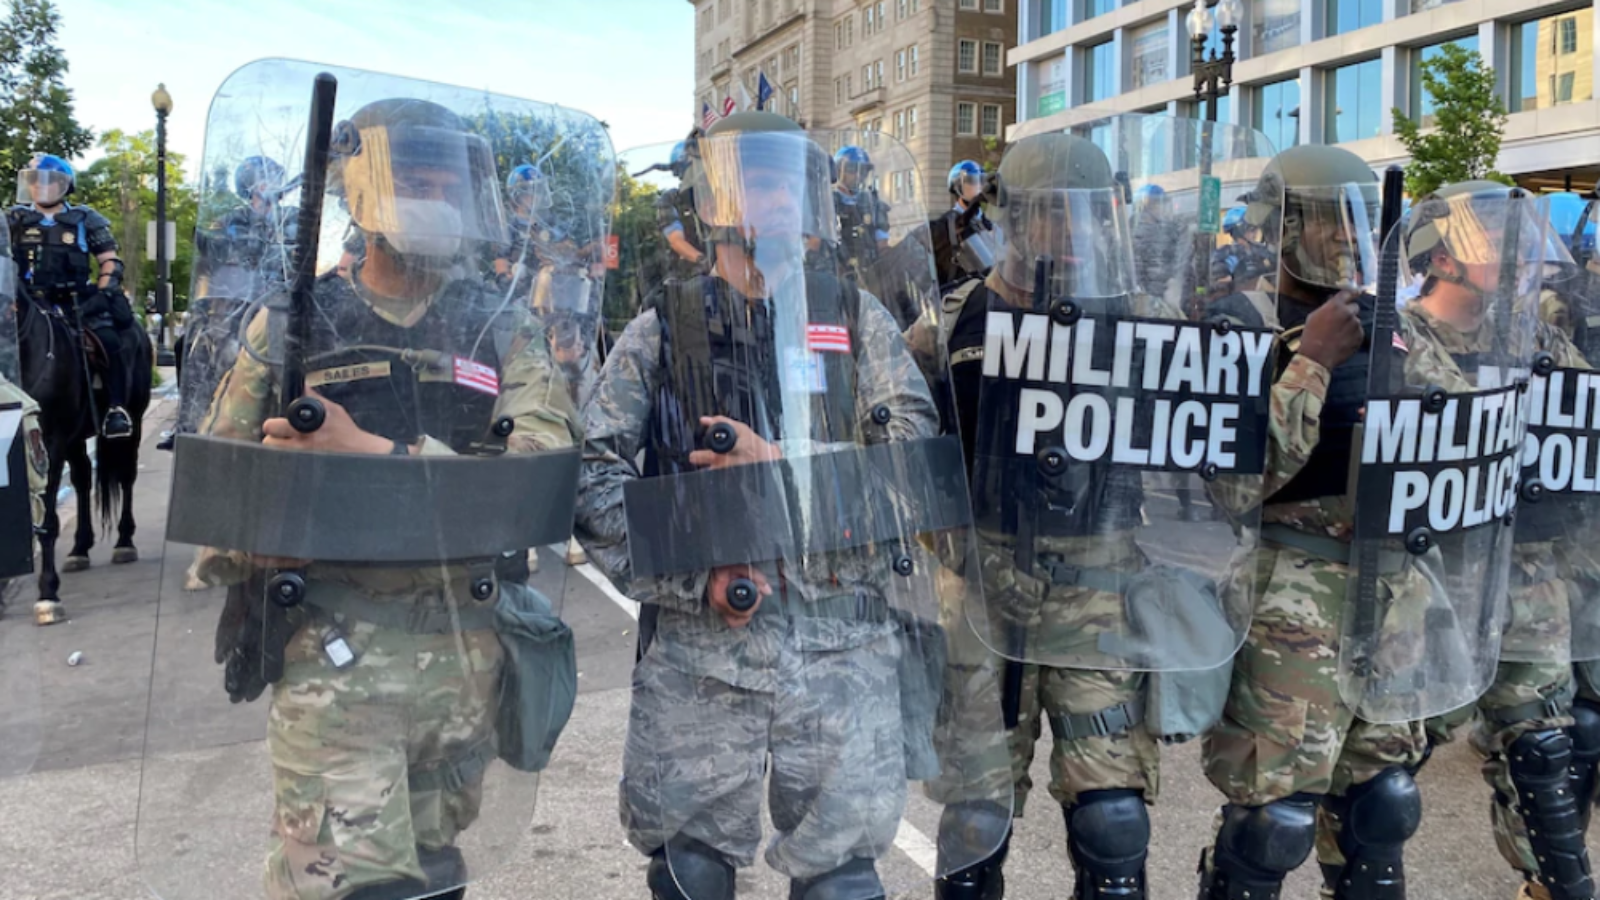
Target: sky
(629, 63)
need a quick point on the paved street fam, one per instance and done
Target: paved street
(68, 827)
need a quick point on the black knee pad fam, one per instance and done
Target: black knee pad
(1376, 819)
(1541, 764)
(1585, 735)
(1108, 835)
(855, 880)
(1257, 846)
(687, 869)
(974, 839)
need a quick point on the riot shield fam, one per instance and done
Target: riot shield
(1122, 428)
(21, 725)
(799, 532)
(1438, 457)
(348, 529)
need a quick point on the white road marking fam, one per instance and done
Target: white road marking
(600, 581)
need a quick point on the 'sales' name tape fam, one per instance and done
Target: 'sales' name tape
(1450, 469)
(1142, 393)
(1562, 449)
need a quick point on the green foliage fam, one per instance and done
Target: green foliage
(641, 251)
(1469, 119)
(35, 106)
(571, 150)
(122, 187)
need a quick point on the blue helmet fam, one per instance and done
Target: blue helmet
(1149, 192)
(678, 162)
(258, 173)
(1233, 219)
(853, 159)
(964, 172)
(46, 179)
(527, 182)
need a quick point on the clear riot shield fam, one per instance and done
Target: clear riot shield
(800, 536)
(1122, 437)
(1439, 453)
(884, 235)
(21, 724)
(659, 234)
(355, 680)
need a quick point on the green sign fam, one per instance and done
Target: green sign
(1052, 103)
(1210, 204)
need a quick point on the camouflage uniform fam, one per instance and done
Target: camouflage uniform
(809, 681)
(365, 758)
(38, 461)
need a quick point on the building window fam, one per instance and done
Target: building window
(899, 182)
(866, 78)
(1543, 53)
(1089, 9)
(706, 20)
(911, 122)
(1277, 112)
(916, 65)
(1351, 113)
(850, 31)
(1349, 15)
(1099, 77)
(791, 60)
(902, 8)
(877, 73)
(916, 6)
(705, 60)
(1275, 25)
(838, 91)
(991, 57)
(1052, 16)
(900, 65)
(883, 18)
(969, 4)
(724, 51)
(724, 11)
(866, 22)
(1052, 86)
(991, 120)
(1150, 54)
(966, 118)
(994, 6)
(838, 35)
(794, 100)
(877, 124)
(1421, 102)
(900, 123)
(966, 56)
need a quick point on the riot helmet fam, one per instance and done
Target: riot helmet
(47, 180)
(1322, 204)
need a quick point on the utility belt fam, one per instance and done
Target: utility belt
(1390, 562)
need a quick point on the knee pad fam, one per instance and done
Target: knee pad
(855, 880)
(1257, 846)
(687, 869)
(1376, 819)
(1585, 736)
(1542, 768)
(974, 839)
(1108, 835)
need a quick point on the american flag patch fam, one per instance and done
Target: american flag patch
(827, 339)
(477, 376)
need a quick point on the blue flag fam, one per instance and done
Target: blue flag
(763, 92)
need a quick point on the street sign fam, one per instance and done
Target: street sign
(1210, 204)
(150, 240)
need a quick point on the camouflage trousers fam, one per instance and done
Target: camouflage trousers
(1540, 609)
(346, 746)
(1286, 729)
(699, 754)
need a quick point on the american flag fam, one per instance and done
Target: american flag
(728, 106)
(477, 376)
(827, 339)
(707, 117)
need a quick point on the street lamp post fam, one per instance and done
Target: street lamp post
(162, 101)
(1213, 78)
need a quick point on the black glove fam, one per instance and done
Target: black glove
(251, 636)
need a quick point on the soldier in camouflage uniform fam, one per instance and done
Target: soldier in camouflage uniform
(379, 761)
(1290, 755)
(1539, 747)
(787, 682)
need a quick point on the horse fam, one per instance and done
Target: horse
(55, 373)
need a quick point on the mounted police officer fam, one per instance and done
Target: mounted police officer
(963, 237)
(675, 214)
(67, 257)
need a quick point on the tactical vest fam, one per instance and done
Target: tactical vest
(860, 218)
(1011, 493)
(718, 357)
(440, 377)
(53, 259)
(1327, 471)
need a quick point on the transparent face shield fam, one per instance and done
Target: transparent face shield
(425, 189)
(42, 187)
(529, 198)
(767, 187)
(1081, 236)
(1329, 235)
(968, 185)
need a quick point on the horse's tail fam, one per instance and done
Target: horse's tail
(116, 465)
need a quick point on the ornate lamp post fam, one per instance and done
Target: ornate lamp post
(162, 101)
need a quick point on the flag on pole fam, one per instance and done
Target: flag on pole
(745, 103)
(727, 107)
(763, 92)
(707, 117)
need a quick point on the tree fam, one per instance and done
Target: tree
(122, 187)
(1469, 118)
(641, 251)
(35, 106)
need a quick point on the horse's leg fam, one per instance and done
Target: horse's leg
(83, 486)
(125, 552)
(47, 609)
